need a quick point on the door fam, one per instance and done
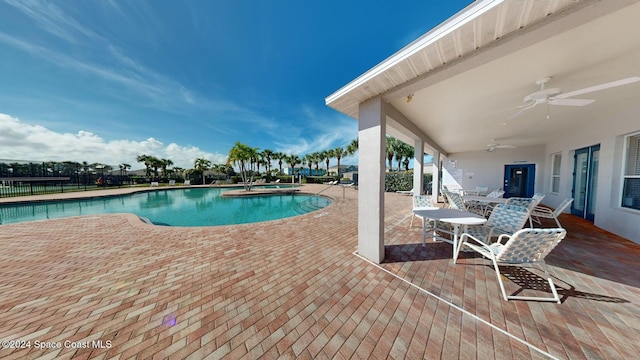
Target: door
(585, 181)
(519, 180)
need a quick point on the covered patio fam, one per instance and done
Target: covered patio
(294, 288)
(503, 84)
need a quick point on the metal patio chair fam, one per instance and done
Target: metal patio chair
(525, 247)
(543, 212)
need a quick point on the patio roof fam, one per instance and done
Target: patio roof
(473, 71)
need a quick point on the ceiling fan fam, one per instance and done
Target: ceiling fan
(491, 147)
(555, 96)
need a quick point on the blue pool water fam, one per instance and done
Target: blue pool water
(176, 207)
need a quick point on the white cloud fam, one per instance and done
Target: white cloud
(23, 141)
(326, 134)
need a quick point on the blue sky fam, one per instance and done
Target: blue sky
(104, 81)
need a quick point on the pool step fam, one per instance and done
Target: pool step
(306, 207)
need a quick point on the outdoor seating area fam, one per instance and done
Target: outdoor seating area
(297, 289)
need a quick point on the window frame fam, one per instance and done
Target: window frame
(555, 157)
(625, 170)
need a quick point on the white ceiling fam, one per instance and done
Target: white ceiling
(464, 102)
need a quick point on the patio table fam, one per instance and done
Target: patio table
(484, 199)
(452, 216)
(483, 202)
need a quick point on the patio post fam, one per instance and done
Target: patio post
(435, 184)
(418, 167)
(371, 144)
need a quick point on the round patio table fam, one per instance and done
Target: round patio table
(451, 216)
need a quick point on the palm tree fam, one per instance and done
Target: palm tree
(268, 154)
(338, 153)
(407, 152)
(280, 156)
(309, 160)
(317, 158)
(391, 144)
(241, 155)
(293, 160)
(352, 148)
(327, 155)
(155, 163)
(200, 165)
(164, 164)
(145, 159)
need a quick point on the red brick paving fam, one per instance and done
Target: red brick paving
(292, 288)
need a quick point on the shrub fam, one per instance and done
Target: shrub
(402, 181)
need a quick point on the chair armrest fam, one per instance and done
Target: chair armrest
(464, 237)
(503, 236)
(541, 211)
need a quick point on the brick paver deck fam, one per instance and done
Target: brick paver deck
(294, 288)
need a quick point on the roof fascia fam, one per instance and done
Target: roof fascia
(466, 15)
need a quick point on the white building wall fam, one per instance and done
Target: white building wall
(609, 133)
(481, 168)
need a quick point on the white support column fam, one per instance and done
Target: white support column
(418, 167)
(371, 150)
(435, 187)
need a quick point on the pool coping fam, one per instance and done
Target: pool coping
(108, 192)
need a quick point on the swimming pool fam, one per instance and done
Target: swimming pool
(175, 207)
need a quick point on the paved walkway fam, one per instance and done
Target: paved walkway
(294, 288)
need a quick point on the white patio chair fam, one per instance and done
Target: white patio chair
(543, 212)
(529, 203)
(420, 202)
(488, 207)
(524, 247)
(454, 200)
(406, 192)
(504, 219)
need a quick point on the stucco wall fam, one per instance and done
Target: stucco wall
(609, 133)
(484, 168)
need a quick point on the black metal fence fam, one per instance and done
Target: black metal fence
(35, 178)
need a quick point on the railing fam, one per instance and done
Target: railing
(306, 206)
(24, 186)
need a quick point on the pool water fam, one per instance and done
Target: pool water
(176, 207)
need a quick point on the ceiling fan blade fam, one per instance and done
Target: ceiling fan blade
(519, 113)
(571, 102)
(604, 86)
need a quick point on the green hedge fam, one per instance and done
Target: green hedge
(402, 181)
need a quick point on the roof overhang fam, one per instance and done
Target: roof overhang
(485, 59)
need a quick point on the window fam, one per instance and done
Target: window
(556, 159)
(631, 178)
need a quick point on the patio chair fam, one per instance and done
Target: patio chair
(504, 219)
(187, 182)
(529, 203)
(406, 192)
(488, 207)
(455, 200)
(524, 247)
(420, 202)
(543, 212)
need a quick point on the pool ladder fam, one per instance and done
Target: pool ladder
(306, 206)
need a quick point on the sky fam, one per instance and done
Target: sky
(105, 81)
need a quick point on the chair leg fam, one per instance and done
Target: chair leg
(557, 221)
(543, 266)
(412, 217)
(504, 293)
